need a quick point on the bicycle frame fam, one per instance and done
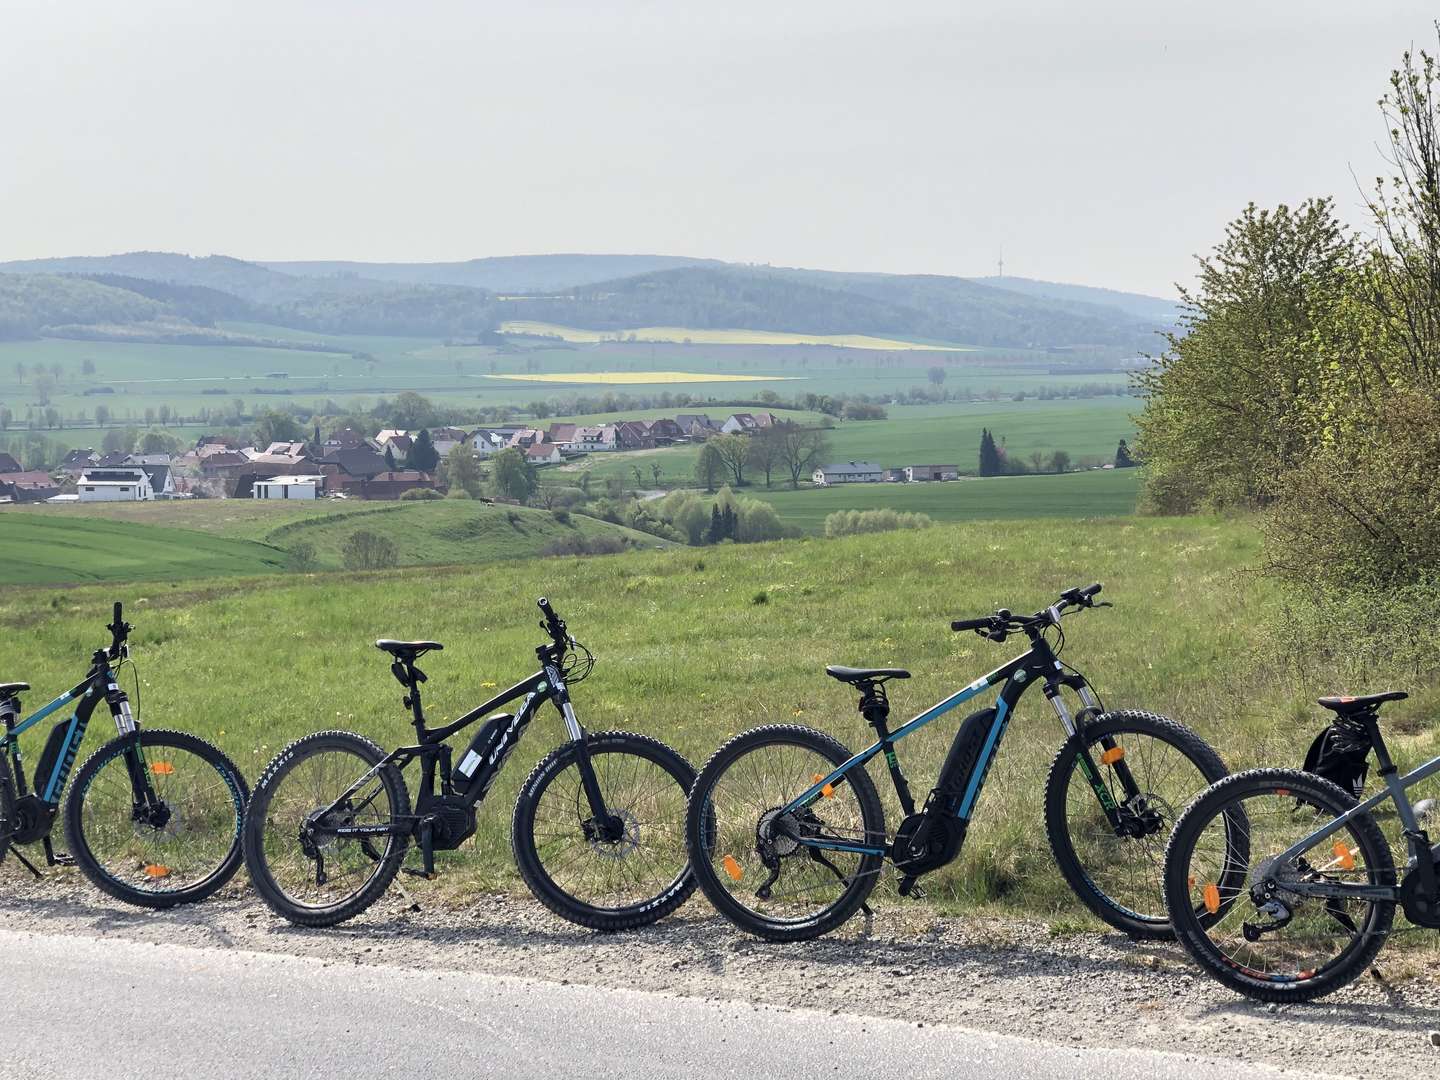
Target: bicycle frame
(547, 684)
(100, 684)
(1395, 788)
(1038, 665)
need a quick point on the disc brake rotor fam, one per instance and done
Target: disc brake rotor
(627, 844)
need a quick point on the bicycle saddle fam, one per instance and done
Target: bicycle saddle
(10, 689)
(407, 650)
(1349, 706)
(853, 675)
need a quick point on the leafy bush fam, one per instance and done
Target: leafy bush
(561, 515)
(302, 556)
(422, 495)
(853, 522)
(583, 545)
(366, 550)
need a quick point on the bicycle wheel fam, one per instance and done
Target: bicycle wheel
(176, 843)
(7, 806)
(747, 851)
(1256, 936)
(607, 876)
(1118, 873)
(300, 867)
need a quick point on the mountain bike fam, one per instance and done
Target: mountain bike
(153, 817)
(787, 834)
(1281, 883)
(597, 831)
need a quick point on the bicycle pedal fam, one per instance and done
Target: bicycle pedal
(910, 887)
(420, 873)
(62, 858)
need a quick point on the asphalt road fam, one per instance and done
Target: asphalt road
(79, 1007)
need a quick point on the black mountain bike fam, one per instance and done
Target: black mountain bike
(787, 835)
(154, 816)
(598, 829)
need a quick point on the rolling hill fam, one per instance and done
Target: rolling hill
(159, 296)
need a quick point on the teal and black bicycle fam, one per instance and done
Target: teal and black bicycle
(787, 834)
(153, 817)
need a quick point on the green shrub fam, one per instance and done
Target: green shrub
(852, 522)
(420, 495)
(366, 550)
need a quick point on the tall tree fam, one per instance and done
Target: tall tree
(462, 471)
(734, 454)
(801, 450)
(708, 466)
(1123, 460)
(513, 476)
(423, 455)
(990, 461)
(765, 451)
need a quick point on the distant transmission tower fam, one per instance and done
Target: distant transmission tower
(1000, 266)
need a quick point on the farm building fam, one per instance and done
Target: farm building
(931, 472)
(391, 485)
(115, 485)
(849, 472)
(288, 487)
(21, 486)
(543, 454)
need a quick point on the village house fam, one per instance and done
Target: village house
(590, 439)
(345, 439)
(77, 461)
(633, 435)
(9, 465)
(696, 425)
(562, 435)
(664, 431)
(914, 473)
(487, 441)
(543, 454)
(745, 423)
(391, 485)
(849, 472)
(445, 439)
(289, 487)
(115, 485)
(22, 486)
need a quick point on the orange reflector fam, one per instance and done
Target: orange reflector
(732, 867)
(1212, 899)
(162, 768)
(154, 870)
(1192, 882)
(1344, 856)
(1114, 754)
(1282, 792)
(828, 791)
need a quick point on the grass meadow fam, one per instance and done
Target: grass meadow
(696, 645)
(227, 537)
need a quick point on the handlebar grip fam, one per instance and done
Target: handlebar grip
(970, 624)
(545, 608)
(117, 612)
(1091, 590)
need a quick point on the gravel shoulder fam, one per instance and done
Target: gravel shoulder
(1001, 975)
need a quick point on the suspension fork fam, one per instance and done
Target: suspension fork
(560, 696)
(1087, 762)
(141, 788)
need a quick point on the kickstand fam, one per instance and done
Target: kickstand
(27, 863)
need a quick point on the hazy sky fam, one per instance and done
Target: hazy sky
(1101, 142)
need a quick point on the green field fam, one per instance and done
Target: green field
(689, 653)
(227, 537)
(1110, 493)
(919, 435)
(56, 547)
(363, 370)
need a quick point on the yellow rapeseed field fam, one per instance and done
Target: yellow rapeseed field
(678, 334)
(630, 378)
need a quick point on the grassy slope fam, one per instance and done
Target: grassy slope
(687, 654)
(52, 548)
(172, 541)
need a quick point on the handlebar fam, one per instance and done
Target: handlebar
(119, 633)
(553, 624)
(998, 626)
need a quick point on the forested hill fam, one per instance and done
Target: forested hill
(156, 295)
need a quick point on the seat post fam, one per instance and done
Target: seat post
(1385, 764)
